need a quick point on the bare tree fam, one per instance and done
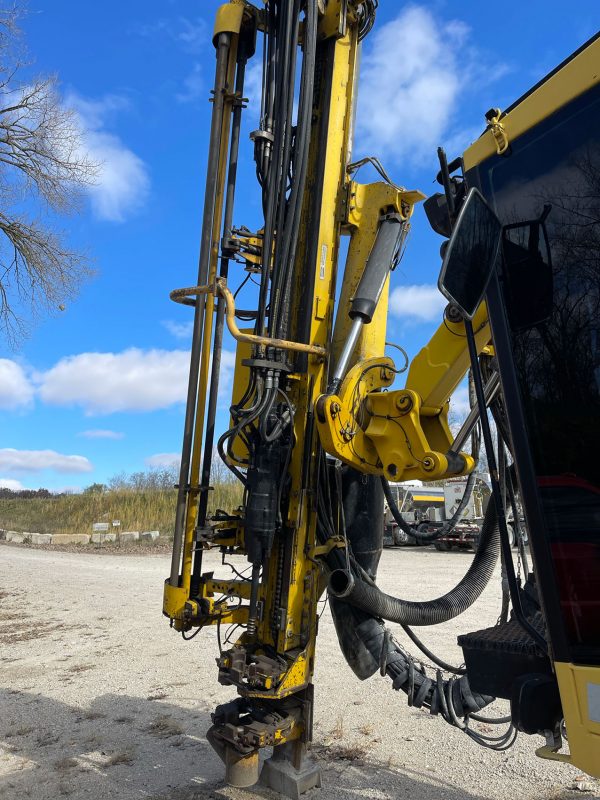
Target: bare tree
(43, 172)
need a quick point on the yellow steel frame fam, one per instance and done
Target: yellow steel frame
(578, 75)
(576, 685)
(297, 634)
(402, 434)
(361, 423)
(176, 602)
(296, 639)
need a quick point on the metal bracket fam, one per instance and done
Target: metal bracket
(497, 128)
(324, 549)
(334, 21)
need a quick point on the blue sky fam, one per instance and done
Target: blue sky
(98, 389)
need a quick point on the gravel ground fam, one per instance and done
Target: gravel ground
(101, 700)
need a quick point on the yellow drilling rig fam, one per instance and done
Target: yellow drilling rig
(318, 425)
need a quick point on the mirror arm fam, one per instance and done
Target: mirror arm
(445, 176)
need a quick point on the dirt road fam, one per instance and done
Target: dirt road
(101, 700)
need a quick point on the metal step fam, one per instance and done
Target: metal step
(495, 657)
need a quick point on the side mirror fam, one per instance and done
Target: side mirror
(471, 254)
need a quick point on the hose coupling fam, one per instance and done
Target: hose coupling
(341, 583)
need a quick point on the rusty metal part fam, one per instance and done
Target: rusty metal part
(247, 726)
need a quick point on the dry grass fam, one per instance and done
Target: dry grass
(351, 752)
(91, 715)
(46, 739)
(124, 757)
(23, 730)
(137, 510)
(64, 764)
(338, 731)
(164, 727)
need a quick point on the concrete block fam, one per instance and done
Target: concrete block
(70, 538)
(102, 536)
(40, 538)
(149, 536)
(129, 536)
(15, 536)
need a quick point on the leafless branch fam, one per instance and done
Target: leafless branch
(44, 169)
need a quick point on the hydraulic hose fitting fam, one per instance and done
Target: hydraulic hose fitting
(341, 583)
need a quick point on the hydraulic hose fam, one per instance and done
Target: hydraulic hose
(367, 645)
(379, 651)
(422, 536)
(357, 592)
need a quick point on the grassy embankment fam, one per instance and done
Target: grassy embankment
(137, 510)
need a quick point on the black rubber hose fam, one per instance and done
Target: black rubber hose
(366, 644)
(370, 598)
(446, 528)
(430, 655)
(408, 676)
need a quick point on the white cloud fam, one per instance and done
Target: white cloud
(192, 85)
(189, 34)
(16, 390)
(180, 330)
(409, 83)
(423, 303)
(459, 402)
(416, 71)
(161, 460)
(100, 433)
(123, 183)
(227, 371)
(134, 380)
(253, 85)
(13, 460)
(10, 483)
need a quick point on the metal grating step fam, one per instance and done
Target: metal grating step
(495, 657)
(510, 637)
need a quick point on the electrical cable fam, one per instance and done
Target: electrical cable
(404, 353)
(376, 163)
(195, 633)
(426, 651)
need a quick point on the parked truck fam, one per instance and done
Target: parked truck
(427, 508)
